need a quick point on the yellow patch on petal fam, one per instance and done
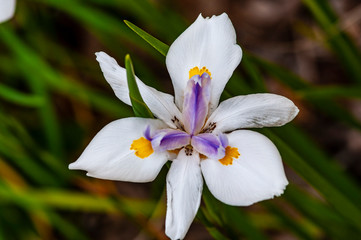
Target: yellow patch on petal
(142, 147)
(230, 154)
(195, 71)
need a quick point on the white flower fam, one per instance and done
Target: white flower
(7, 9)
(240, 167)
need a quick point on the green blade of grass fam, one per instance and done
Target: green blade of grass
(254, 74)
(73, 201)
(145, 12)
(26, 100)
(288, 78)
(108, 28)
(19, 133)
(320, 214)
(304, 146)
(46, 112)
(66, 228)
(64, 84)
(231, 219)
(212, 230)
(340, 201)
(157, 44)
(288, 222)
(331, 92)
(29, 166)
(139, 107)
(348, 54)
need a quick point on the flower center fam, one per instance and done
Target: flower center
(189, 134)
(142, 147)
(230, 154)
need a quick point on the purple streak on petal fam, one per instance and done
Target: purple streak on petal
(209, 145)
(169, 139)
(224, 140)
(147, 133)
(196, 101)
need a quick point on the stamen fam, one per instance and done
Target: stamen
(195, 71)
(178, 124)
(142, 147)
(230, 154)
(188, 150)
(209, 129)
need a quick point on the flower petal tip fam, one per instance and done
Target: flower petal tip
(78, 165)
(296, 111)
(293, 112)
(280, 190)
(7, 10)
(73, 166)
(102, 56)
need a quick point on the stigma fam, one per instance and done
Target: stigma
(142, 147)
(196, 71)
(230, 154)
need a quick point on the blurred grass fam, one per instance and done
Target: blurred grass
(51, 94)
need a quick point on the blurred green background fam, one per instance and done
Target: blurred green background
(54, 99)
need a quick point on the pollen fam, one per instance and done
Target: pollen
(196, 71)
(231, 153)
(142, 147)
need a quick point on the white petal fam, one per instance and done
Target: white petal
(161, 104)
(209, 42)
(7, 9)
(184, 190)
(108, 155)
(257, 174)
(253, 111)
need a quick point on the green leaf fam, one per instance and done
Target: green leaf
(230, 218)
(65, 227)
(254, 74)
(26, 58)
(320, 214)
(20, 98)
(292, 224)
(157, 44)
(331, 92)
(322, 181)
(290, 79)
(348, 53)
(73, 201)
(139, 107)
(46, 112)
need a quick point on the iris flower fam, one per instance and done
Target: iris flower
(7, 9)
(199, 135)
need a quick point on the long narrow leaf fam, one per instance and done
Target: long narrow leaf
(336, 197)
(139, 107)
(19, 98)
(348, 54)
(157, 44)
(331, 92)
